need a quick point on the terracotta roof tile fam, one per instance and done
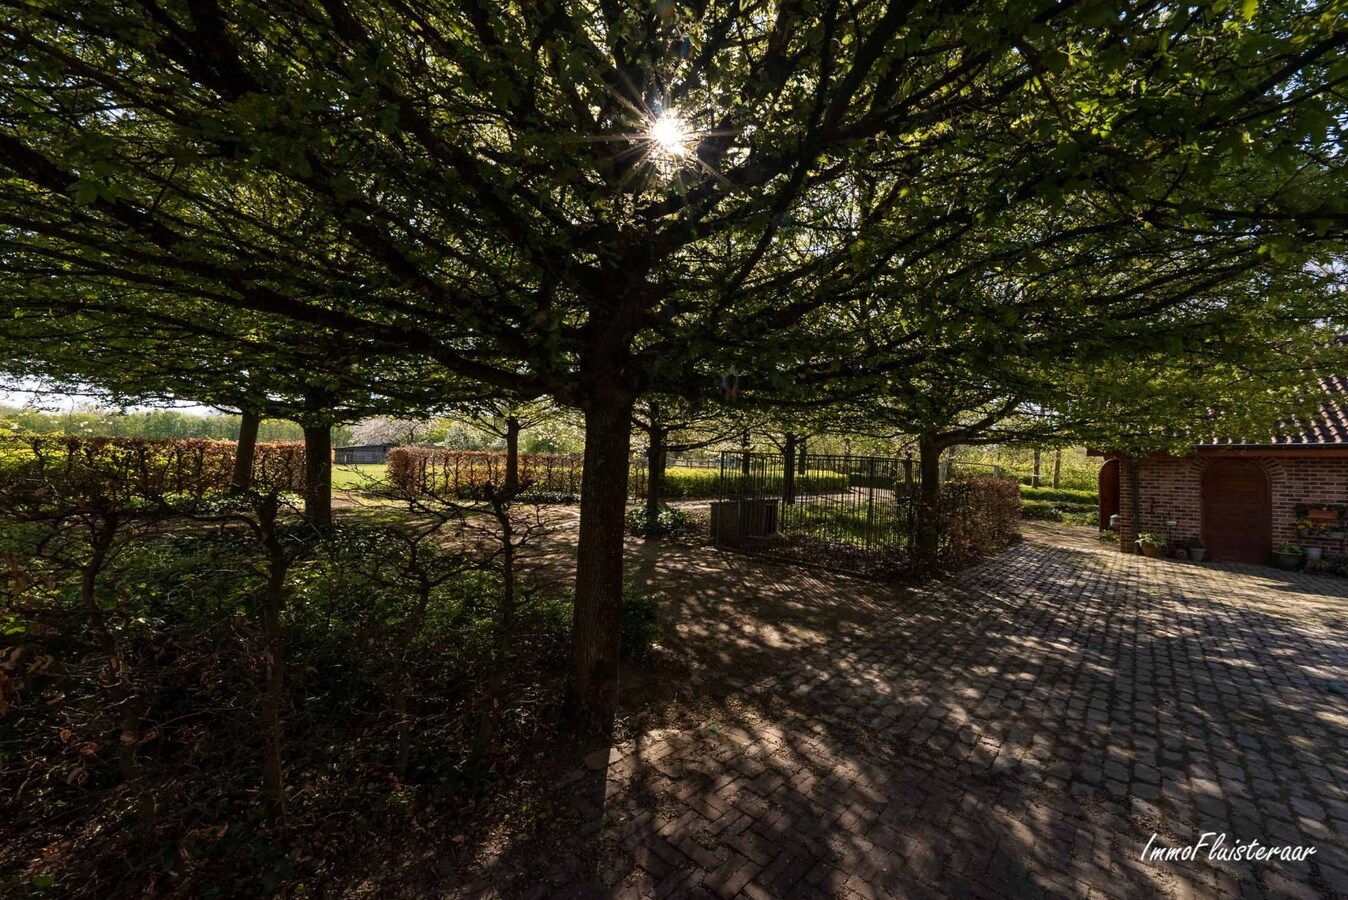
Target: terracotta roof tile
(1327, 428)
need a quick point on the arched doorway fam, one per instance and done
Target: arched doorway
(1109, 491)
(1237, 521)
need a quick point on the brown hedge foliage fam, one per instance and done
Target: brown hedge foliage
(980, 515)
(127, 469)
(462, 473)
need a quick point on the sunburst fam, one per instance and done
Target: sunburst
(670, 136)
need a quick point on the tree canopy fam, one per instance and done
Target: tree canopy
(594, 200)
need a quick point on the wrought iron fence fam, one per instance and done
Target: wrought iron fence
(856, 513)
(688, 476)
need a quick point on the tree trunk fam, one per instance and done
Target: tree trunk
(318, 475)
(599, 553)
(245, 452)
(928, 538)
(1057, 467)
(789, 468)
(512, 439)
(1034, 476)
(800, 466)
(655, 472)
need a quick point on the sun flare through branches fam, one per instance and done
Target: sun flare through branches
(670, 139)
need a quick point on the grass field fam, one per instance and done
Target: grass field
(356, 477)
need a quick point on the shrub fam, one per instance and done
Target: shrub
(640, 624)
(1332, 565)
(666, 521)
(376, 681)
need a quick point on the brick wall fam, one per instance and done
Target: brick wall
(1172, 487)
(1171, 490)
(1307, 481)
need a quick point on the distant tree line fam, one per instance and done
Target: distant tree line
(152, 424)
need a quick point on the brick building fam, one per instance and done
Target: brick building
(1241, 498)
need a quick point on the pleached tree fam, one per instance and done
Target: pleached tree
(584, 200)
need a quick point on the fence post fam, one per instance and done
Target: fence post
(870, 503)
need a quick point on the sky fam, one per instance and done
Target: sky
(30, 393)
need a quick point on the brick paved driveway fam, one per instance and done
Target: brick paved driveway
(1022, 729)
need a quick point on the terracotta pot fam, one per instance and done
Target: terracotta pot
(1153, 551)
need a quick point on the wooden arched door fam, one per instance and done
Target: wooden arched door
(1237, 520)
(1109, 491)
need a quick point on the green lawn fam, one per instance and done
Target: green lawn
(355, 477)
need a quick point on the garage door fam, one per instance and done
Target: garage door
(1237, 525)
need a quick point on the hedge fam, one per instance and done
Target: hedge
(979, 516)
(463, 473)
(1061, 495)
(128, 469)
(1052, 511)
(705, 484)
(770, 485)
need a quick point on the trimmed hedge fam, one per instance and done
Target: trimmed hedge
(980, 516)
(463, 473)
(1065, 505)
(1070, 513)
(708, 481)
(123, 470)
(1061, 495)
(683, 483)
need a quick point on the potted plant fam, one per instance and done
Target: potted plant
(1152, 544)
(1197, 550)
(1313, 553)
(1287, 556)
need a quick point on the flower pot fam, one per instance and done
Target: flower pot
(1289, 561)
(1313, 553)
(1197, 553)
(1153, 551)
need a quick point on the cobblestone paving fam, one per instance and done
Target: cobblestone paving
(1020, 730)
